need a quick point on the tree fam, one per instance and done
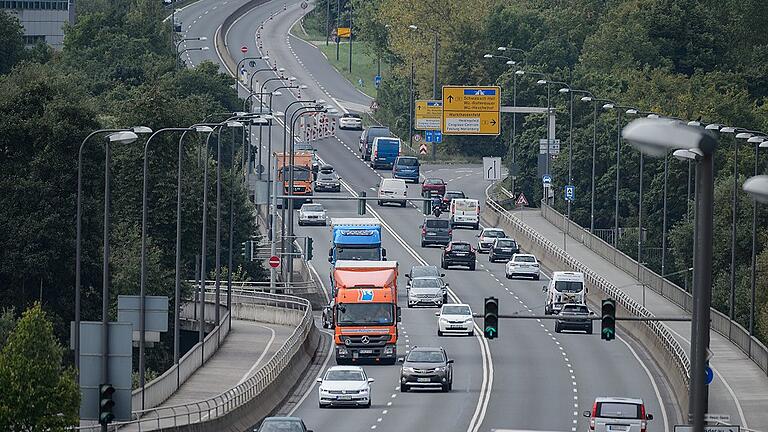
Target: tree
(38, 393)
(12, 48)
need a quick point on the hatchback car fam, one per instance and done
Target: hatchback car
(327, 182)
(503, 249)
(344, 385)
(448, 196)
(435, 231)
(458, 253)
(312, 214)
(486, 238)
(523, 265)
(426, 291)
(350, 121)
(455, 318)
(426, 367)
(282, 424)
(618, 414)
(574, 316)
(433, 184)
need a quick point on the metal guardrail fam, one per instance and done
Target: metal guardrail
(720, 322)
(281, 287)
(226, 402)
(673, 350)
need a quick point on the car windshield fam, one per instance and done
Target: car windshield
(408, 161)
(456, 310)
(435, 181)
(351, 115)
(281, 426)
(426, 283)
(525, 258)
(426, 357)
(618, 410)
(438, 223)
(298, 174)
(364, 253)
(494, 234)
(452, 195)
(354, 314)
(569, 286)
(460, 247)
(327, 177)
(420, 271)
(344, 375)
(312, 207)
(466, 206)
(506, 243)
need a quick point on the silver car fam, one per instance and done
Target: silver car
(426, 291)
(327, 182)
(618, 414)
(523, 265)
(312, 214)
(486, 238)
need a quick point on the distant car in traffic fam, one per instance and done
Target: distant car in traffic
(448, 196)
(367, 137)
(435, 231)
(426, 291)
(350, 121)
(312, 214)
(327, 182)
(486, 238)
(574, 316)
(392, 190)
(618, 414)
(426, 367)
(433, 184)
(503, 249)
(424, 271)
(406, 168)
(523, 265)
(455, 318)
(282, 424)
(458, 253)
(344, 386)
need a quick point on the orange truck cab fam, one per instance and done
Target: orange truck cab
(302, 175)
(365, 311)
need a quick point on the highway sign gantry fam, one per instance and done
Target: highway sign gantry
(429, 114)
(471, 110)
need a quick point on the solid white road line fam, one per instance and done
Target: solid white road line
(263, 353)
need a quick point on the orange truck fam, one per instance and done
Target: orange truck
(365, 311)
(302, 175)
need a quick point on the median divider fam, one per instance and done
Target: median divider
(665, 350)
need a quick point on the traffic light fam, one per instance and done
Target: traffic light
(361, 204)
(308, 249)
(106, 404)
(608, 331)
(491, 318)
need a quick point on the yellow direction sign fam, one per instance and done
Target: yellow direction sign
(471, 110)
(429, 114)
(343, 32)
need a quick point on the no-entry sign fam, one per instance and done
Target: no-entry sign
(274, 261)
(244, 49)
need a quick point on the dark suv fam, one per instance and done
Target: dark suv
(436, 231)
(449, 196)
(574, 316)
(458, 253)
(426, 367)
(503, 249)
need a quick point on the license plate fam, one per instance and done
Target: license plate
(431, 234)
(456, 327)
(343, 397)
(422, 379)
(366, 351)
(506, 250)
(461, 254)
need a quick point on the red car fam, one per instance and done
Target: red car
(433, 185)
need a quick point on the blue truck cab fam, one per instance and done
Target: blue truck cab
(357, 239)
(384, 152)
(406, 168)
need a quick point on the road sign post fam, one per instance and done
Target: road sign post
(521, 201)
(570, 193)
(492, 168)
(471, 110)
(274, 261)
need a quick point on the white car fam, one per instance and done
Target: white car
(351, 121)
(486, 238)
(618, 413)
(455, 318)
(312, 214)
(523, 265)
(345, 385)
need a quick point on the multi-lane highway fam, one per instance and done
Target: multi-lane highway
(529, 378)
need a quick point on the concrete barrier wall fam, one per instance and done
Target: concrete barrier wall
(720, 323)
(665, 351)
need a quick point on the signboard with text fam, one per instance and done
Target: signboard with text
(429, 114)
(471, 110)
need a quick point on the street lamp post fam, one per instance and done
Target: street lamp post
(546, 122)
(734, 214)
(261, 107)
(179, 42)
(591, 98)
(656, 137)
(618, 109)
(205, 48)
(411, 96)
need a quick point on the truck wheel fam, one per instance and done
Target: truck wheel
(439, 333)
(477, 226)
(381, 203)
(404, 388)
(589, 329)
(472, 267)
(446, 387)
(557, 328)
(402, 204)
(536, 277)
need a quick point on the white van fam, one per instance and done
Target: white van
(565, 287)
(465, 212)
(392, 190)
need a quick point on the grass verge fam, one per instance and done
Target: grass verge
(364, 65)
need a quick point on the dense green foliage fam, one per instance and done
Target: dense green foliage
(681, 58)
(117, 69)
(38, 392)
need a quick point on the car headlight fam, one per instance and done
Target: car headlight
(408, 369)
(443, 320)
(389, 350)
(440, 369)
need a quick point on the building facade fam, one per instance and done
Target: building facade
(43, 20)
